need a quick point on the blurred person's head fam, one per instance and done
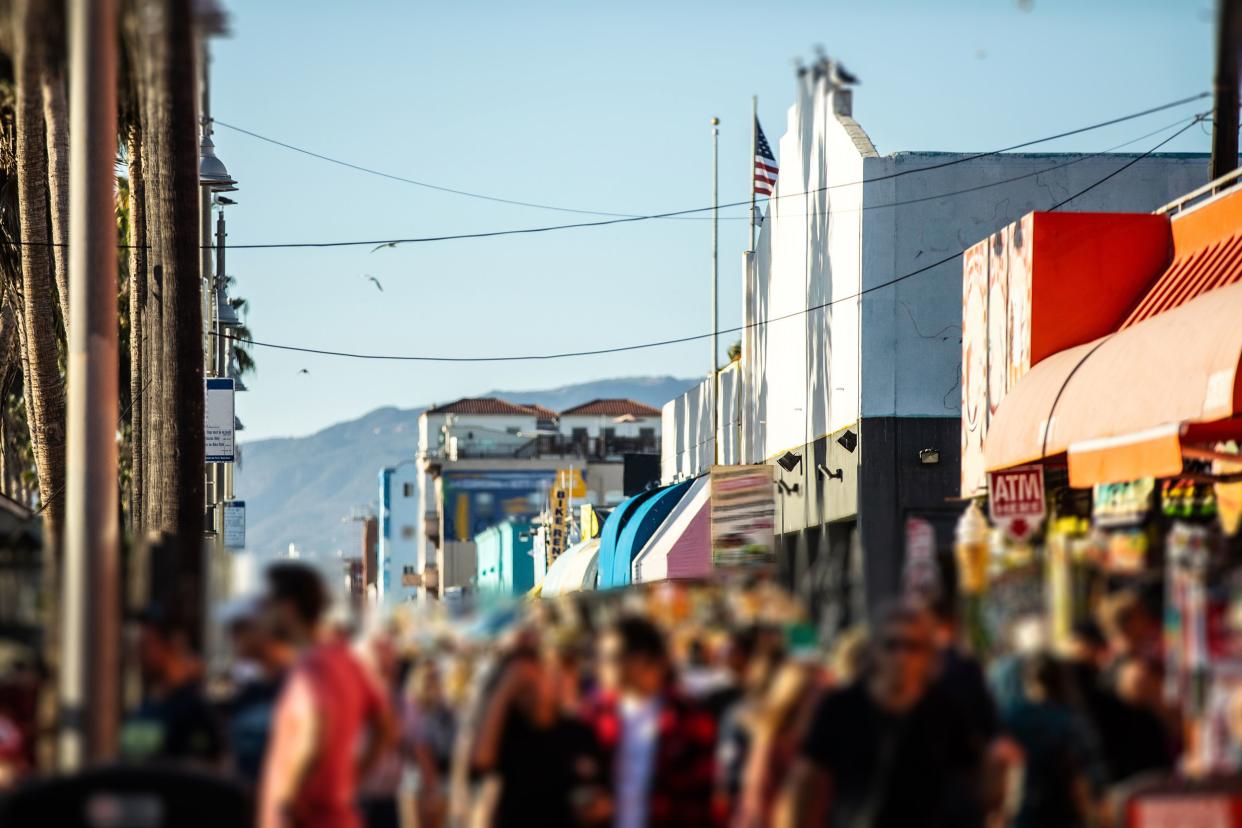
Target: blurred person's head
(740, 649)
(1139, 683)
(790, 686)
(165, 654)
(1044, 679)
(1129, 624)
(902, 655)
(425, 686)
(295, 602)
(634, 657)
(850, 654)
(1086, 645)
(944, 613)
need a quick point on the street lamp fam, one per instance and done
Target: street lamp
(212, 174)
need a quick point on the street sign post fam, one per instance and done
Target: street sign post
(218, 428)
(1016, 500)
(235, 524)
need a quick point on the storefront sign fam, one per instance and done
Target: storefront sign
(1016, 500)
(922, 574)
(218, 424)
(1122, 504)
(743, 502)
(235, 524)
(1228, 495)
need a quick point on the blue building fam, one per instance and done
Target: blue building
(505, 560)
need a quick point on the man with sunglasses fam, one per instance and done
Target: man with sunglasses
(889, 749)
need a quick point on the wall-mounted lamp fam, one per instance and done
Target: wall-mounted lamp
(786, 488)
(929, 456)
(789, 461)
(848, 441)
(831, 474)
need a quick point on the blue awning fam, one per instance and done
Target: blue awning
(642, 515)
(610, 534)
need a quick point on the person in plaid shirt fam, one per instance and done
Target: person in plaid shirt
(658, 745)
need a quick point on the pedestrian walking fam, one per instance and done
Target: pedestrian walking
(327, 707)
(889, 751)
(659, 747)
(174, 722)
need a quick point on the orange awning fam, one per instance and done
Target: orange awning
(1120, 406)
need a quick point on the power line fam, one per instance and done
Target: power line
(558, 208)
(625, 219)
(696, 337)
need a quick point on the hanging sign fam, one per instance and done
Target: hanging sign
(219, 420)
(921, 575)
(1016, 500)
(743, 515)
(235, 524)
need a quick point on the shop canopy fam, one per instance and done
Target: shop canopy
(573, 571)
(1122, 407)
(632, 531)
(681, 546)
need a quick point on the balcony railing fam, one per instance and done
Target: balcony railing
(553, 445)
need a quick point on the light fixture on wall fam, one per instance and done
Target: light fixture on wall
(789, 461)
(848, 441)
(929, 456)
(831, 474)
(786, 488)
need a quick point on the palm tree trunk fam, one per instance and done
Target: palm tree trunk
(145, 71)
(171, 163)
(46, 400)
(137, 323)
(56, 119)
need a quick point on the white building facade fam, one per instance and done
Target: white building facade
(852, 299)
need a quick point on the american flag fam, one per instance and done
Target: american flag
(766, 169)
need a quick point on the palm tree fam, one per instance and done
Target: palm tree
(56, 120)
(39, 335)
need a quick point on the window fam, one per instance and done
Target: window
(610, 433)
(407, 532)
(580, 435)
(407, 570)
(647, 433)
(407, 489)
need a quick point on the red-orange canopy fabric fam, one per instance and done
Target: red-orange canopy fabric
(1121, 406)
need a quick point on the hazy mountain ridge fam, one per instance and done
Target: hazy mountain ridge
(304, 490)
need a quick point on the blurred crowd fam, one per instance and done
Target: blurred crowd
(669, 706)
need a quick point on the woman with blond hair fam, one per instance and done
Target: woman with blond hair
(777, 726)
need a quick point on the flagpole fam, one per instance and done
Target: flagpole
(754, 149)
(715, 375)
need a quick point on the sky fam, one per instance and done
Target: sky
(598, 106)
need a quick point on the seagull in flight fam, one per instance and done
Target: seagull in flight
(303, 371)
(378, 286)
(382, 246)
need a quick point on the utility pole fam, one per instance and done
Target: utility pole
(90, 602)
(1226, 102)
(715, 375)
(754, 150)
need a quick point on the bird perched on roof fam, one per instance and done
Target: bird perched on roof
(375, 281)
(841, 76)
(382, 246)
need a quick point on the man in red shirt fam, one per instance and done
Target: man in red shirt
(328, 706)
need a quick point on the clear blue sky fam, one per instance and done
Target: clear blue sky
(601, 106)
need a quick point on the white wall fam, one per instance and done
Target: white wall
(911, 347)
(896, 350)
(687, 449)
(595, 425)
(800, 372)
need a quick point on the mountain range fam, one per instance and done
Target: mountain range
(309, 490)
